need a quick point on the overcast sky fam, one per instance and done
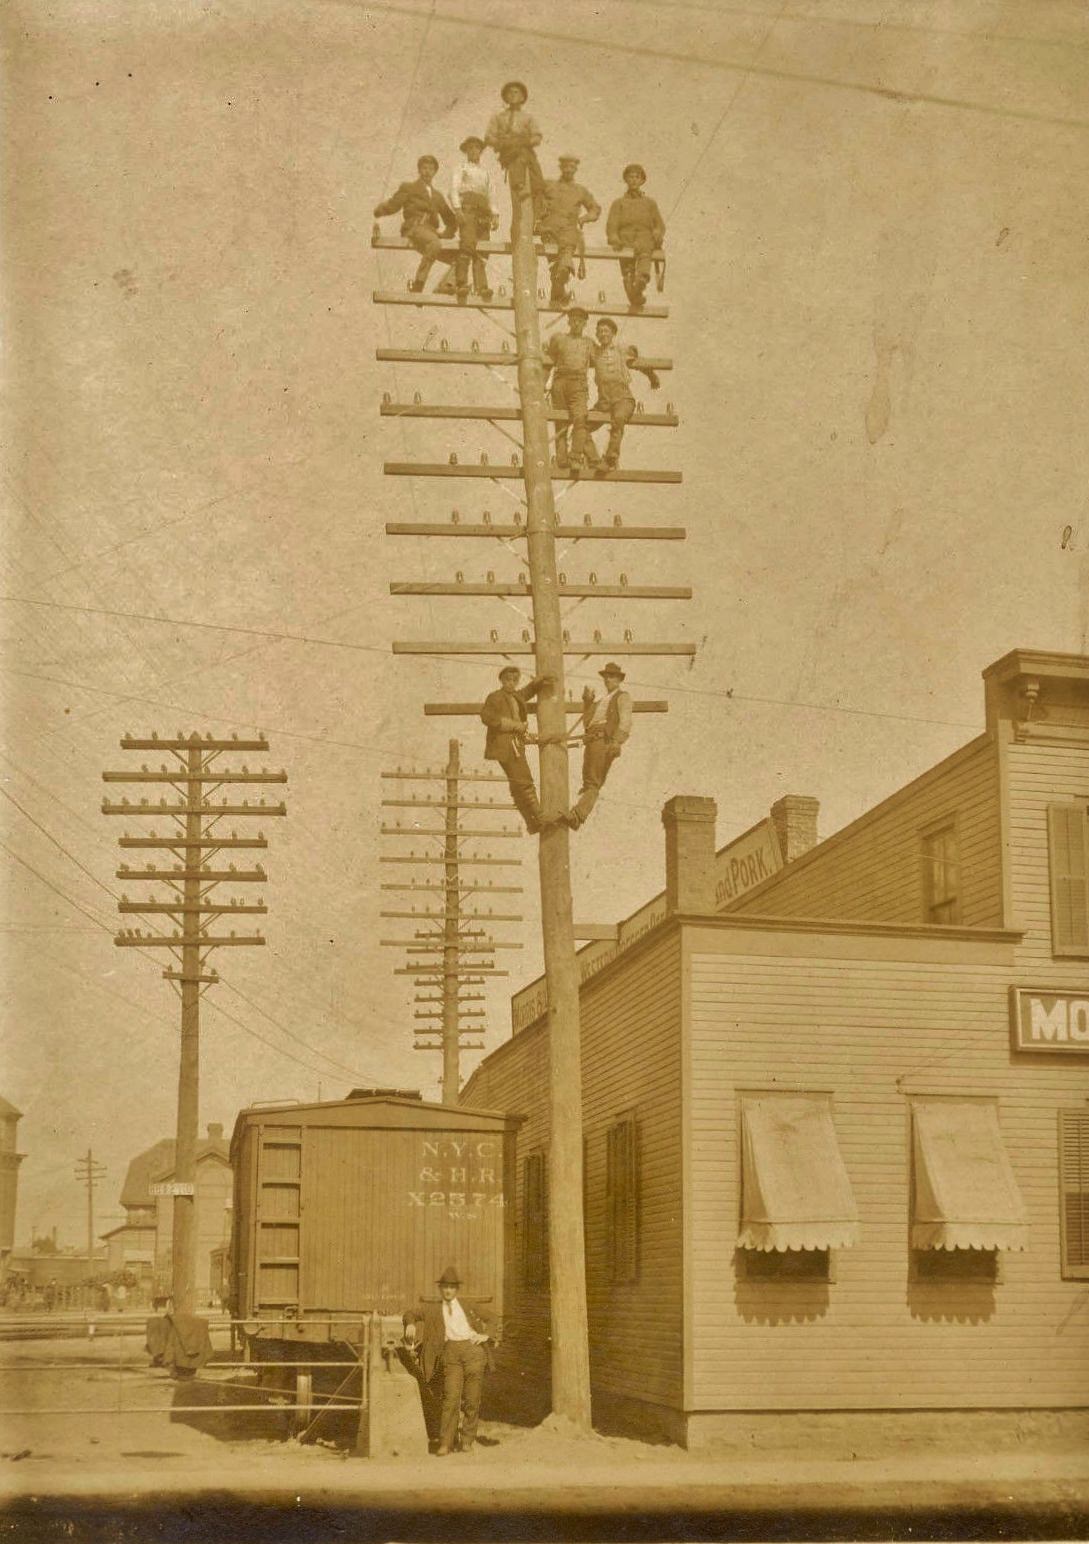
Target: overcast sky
(877, 284)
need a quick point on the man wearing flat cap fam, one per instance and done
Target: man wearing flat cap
(454, 1337)
(514, 136)
(571, 356)
(421, 208)
(472, 199)
(606, 725)
(635, 221)
(506, 716)
(568, 207)
(613, 364)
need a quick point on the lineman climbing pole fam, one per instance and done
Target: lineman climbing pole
(536, 524)
(190, 903)
(442, 955)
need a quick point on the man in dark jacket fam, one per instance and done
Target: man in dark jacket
(606, 726)
(421, 207)
(453, 1338)
(506, 717)
(635, 221)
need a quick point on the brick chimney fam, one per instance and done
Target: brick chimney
(690, 853)
(795, 819)
(215, 1132)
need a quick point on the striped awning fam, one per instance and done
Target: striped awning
(795, 1193)
(966, 1196)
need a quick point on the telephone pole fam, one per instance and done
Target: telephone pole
(194, 838)
(550, 644)
(449, 937)
(88, 1172)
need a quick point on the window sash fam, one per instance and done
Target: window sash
(941, 875)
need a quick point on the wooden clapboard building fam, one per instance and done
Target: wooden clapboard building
(837, 1115)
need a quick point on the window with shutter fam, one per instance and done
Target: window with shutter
(1074, 1192)
(622, 1198)
(1068, 855)
(535, 1221)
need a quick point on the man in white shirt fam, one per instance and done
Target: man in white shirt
(472, 198)
(454, 1339)
(607, 725)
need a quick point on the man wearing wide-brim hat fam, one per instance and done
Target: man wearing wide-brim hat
(454, 1337)
(606, 727)
(514, 136)
(472, 198)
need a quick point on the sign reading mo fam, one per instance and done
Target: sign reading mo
(1049, 1021)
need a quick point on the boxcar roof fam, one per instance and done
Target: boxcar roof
(376, 1111)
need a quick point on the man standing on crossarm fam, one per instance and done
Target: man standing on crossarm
(635, 221)
(613, 364)
(568, 207)
(454, 1338)
(571, 356)
(472, 199)
(506, 716)
(514, 136)
(421, 207)
(607, 726)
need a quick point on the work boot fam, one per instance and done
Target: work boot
(416, 286)
(463, 294)
(485, 294)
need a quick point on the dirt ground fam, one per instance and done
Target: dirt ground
(101, 1434)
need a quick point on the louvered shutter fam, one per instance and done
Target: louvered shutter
(1074, 1192)
(535, 1221)
(1068, 851)
(622, 1193)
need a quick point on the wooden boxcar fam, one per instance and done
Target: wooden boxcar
(356, 1206)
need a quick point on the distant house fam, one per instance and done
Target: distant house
(9, 1177)
(142, 1243)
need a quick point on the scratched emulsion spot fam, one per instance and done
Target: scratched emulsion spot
(1003, 233)
(126, 282)
(1068, 531)
(879, 407)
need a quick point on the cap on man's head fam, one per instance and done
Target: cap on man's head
(607, 321)
(611, 669)
(434, 160)
(574, 311)
(514, 85)
(509, 670)
(633, 166)
(471, 139)
(569, 160)
(449, 1278)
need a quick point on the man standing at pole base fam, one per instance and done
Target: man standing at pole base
(607, 724)
(454, 1340)
(506, 717)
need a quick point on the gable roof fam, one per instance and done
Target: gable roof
(143, 1169)
(9, 1109)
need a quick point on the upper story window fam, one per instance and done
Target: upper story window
(1068, 862)
(941, 874)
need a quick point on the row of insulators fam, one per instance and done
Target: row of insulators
(207, 806)
(486, 518)
(178, 774)
(135, 932)
(173, 837)
(459, 578)
(493, 636)
(180, 734)
(180, 868)
(223, 905)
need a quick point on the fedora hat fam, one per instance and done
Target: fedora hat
(449, 1277)
(612, 669)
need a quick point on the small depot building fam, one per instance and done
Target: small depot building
(836, 1112)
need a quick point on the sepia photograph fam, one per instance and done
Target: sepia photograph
(545, 771)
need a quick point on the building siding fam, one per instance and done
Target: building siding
(631, 1061)
(872, 1032)
(872, 870)
(1038, 775)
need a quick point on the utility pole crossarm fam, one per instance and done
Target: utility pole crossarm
(585, 650)
(449, 303)
(472, 709)
(446, 469)
(392, 409)
(448, 356)
(584, 532)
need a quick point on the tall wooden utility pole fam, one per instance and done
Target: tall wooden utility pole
(449, 937)
(89, 1173)
(549, 644)
(190, 904)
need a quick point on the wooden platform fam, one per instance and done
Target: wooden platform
(442, 469)
(513, 414)
(502, 248)
(451, 303)
(451, 356)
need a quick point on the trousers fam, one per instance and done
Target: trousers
(463, 1367)
(569, 393)
(521, 164)
(425, 238)
(522, 788)
(567, 235)
(474, 226)
(597, 758)
(636, 270)
(619, 403)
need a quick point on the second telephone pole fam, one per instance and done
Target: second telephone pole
(566, 1238)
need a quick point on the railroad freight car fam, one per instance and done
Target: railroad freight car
(355, 1206)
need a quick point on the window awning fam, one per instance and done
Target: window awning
(966, 1196)
(795, 1189)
